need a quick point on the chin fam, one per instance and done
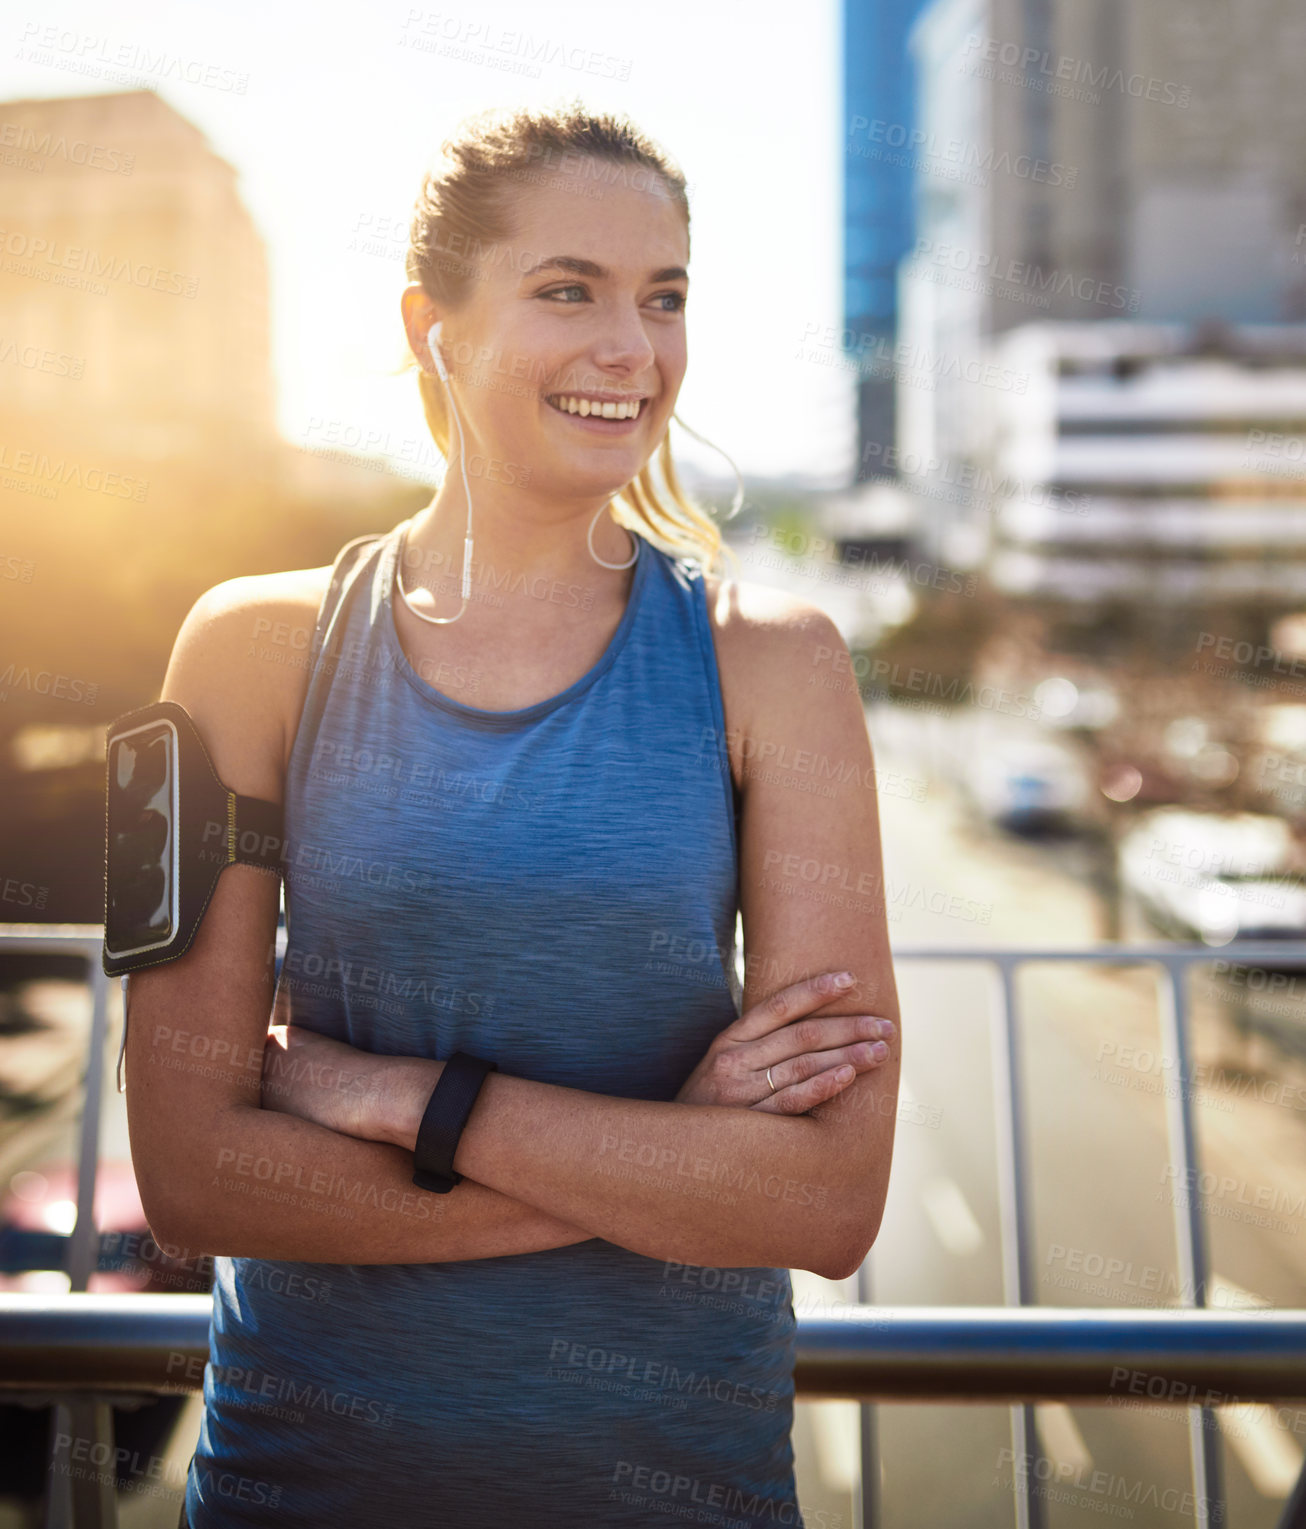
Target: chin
(601, 473)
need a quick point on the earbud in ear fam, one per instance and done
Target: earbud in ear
(433, 345)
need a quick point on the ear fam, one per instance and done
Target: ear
(420, 314)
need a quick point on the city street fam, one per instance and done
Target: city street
(1102, 1212)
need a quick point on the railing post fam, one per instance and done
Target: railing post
(84, 1243)
(1013, 1203)
(1190, 1230)
(866, 1498)
(80, 1495)
(1294, 1510)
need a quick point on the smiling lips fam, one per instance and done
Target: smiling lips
(600, 408)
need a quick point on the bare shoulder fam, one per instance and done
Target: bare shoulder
(239, 666)
(767, 640)
(740, 605)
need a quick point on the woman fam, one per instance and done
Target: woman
(522, 810)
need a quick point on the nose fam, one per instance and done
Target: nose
(622, 344)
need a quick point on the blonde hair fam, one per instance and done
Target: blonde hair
(465, 205)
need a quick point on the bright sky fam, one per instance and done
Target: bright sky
(341, 114)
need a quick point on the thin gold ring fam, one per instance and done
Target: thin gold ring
(768, 1079)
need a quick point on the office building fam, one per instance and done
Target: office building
(1155, 464)
(134, 288)
(878, 112)
(1087, 162)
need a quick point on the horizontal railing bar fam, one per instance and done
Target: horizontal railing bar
(52, 935)
(984, 1354)
(1271, 952)
(96, 1340)
(58, 931)
(1002, 1353)
(1274, 952)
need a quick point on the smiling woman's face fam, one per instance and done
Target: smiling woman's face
(585, 301)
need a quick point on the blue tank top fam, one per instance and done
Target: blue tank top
(553, 888)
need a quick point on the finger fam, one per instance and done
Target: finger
(814, 1034)
(798, 1098)
(787, 1004)
(799, 1069)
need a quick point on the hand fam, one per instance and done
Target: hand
(323, 1080)
(804, 1058)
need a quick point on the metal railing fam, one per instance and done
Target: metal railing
(1190, 1230)
(85, 1352)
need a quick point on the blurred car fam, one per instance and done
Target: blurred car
(1215, 877)
(37, 1215)
(1029, 784)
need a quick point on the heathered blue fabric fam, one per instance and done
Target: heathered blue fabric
(555, 889)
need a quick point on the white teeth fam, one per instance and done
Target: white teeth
(608, 410)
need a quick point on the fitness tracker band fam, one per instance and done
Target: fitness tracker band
(446, 1114)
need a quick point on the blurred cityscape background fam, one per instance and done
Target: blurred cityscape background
(1066, 543)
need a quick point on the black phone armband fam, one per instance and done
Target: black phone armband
(171, 829)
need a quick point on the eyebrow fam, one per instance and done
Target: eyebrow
(579, 267)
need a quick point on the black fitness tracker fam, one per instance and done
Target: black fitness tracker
(171, 829)
(446, 1114)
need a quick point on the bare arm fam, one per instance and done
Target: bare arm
(700, 1184)
(215, 1171)
(265, 1184)
(245, 1181)
(552, 1166)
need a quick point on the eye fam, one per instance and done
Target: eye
(678, 299)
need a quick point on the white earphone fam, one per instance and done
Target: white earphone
(433, 345)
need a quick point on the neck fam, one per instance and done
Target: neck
(520, 543)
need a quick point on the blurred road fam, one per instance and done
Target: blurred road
(1102, 1197)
